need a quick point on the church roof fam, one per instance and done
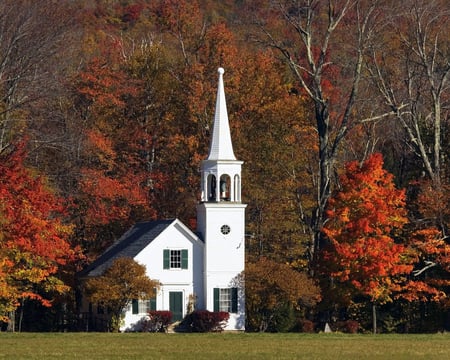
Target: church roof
(129, 245)
(221, 146)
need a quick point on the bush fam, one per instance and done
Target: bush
(205, 321)
(351, 326)
(306, 326)
(348, 326)
(157, 321)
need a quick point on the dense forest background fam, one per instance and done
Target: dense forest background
(340, 110)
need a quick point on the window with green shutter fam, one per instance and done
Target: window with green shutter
(226, 299)
(175, 259)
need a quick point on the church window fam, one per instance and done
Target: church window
(175, 259)
(225, 299)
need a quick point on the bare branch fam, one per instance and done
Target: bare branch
(429, 264)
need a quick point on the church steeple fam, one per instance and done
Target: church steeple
(221, 221)
(221, 145)
(221, 172)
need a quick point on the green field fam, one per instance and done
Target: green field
(221, 346)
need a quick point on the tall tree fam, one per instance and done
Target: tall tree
(33, 235)
(363, 217)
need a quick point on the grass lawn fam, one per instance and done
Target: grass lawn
(221, 346)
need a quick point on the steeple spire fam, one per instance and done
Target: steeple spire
(221, 145)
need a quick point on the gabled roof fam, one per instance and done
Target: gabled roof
(221, 146)
(129, 245)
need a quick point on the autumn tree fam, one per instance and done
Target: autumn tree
(409, 69)
(124, 281)
(363, 217)
(33, 236)
(273, 288)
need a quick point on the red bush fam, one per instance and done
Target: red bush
(348, 326)
(157, 321)
(351, 326)
(206, 321)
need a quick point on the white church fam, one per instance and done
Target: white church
(199, 270)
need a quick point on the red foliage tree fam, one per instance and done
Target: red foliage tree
(113, 186)
(33, 237)
(363, 217)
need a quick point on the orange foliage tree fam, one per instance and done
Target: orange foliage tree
(363, 256)
(33, 237)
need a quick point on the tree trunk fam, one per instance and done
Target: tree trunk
(11, 322)
(22, 304)
(374, 317)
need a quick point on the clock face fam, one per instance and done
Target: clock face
(225, 229)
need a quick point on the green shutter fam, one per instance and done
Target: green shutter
(153, 301)
(216, 299)
(166, 259)
(135, 306)
(234, 300)
(184, 259)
